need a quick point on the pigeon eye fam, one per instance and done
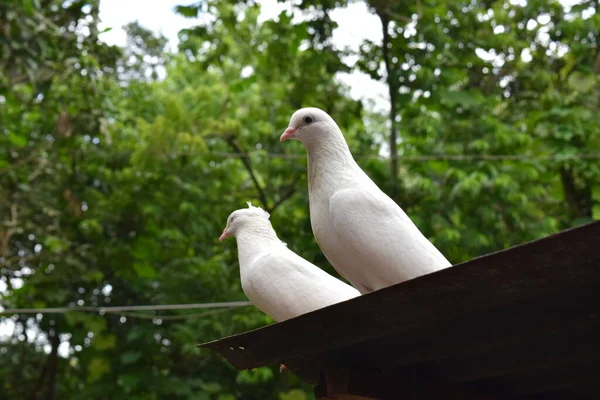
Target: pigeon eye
(308, 120)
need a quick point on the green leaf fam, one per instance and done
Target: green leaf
(145, 249)
(55, 244)
(596, 212)
(134, 334)
(97, 368)
(104, 342)
(129, 380)
(294, 394)
(144, 270)
(91, 227)
(17, 140)
(129, 357)
(460, 98)
(596, 193)
(187, 11)
(187, 207)
(570, 63)
(582, 82)
(211, 387)
(255, 375)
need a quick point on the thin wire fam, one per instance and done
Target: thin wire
(424, 158)
(174, 317)
(117, 309)
(439, 157)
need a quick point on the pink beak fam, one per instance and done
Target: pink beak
(224, 235)
(288, 134)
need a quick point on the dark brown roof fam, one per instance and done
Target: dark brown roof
(521, 321)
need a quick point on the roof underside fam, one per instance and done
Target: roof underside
(523, 321)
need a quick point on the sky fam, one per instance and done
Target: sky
(160, 17)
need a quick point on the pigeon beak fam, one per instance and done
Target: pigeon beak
(288, 134)
(224, 235)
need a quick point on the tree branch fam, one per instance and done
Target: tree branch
(40, 380)
(395, 16)
(12, 229)
(248, 165)
(20, 162)
(392, 83)
(53, 368)
(289, 193)
(38, 170)
(571, 193)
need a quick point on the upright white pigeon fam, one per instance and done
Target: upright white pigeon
(276, 280)
(363, 233)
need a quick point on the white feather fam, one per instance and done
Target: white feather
(363, 233)
(275, 279)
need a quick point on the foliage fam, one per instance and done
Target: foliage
(115, 184)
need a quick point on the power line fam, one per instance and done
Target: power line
(423, 158)
(175, 317)
(117, 309)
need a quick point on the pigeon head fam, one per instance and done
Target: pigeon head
(244, 218)
(310, 125)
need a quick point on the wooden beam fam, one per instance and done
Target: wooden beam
(492, 332)
(345, 384)
(544, 353)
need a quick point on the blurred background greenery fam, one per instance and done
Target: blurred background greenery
(120, 164)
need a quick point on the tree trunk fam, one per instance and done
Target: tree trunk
(53, 365)
(392, 83)
(578, 200)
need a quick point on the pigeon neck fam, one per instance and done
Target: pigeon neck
(332, 146)
(254, 240)
(330, 162)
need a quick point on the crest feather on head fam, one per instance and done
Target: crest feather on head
(257, 210)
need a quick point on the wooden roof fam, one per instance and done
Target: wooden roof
(519, 322)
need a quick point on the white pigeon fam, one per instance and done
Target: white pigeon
(276, 280)
(363, 233)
